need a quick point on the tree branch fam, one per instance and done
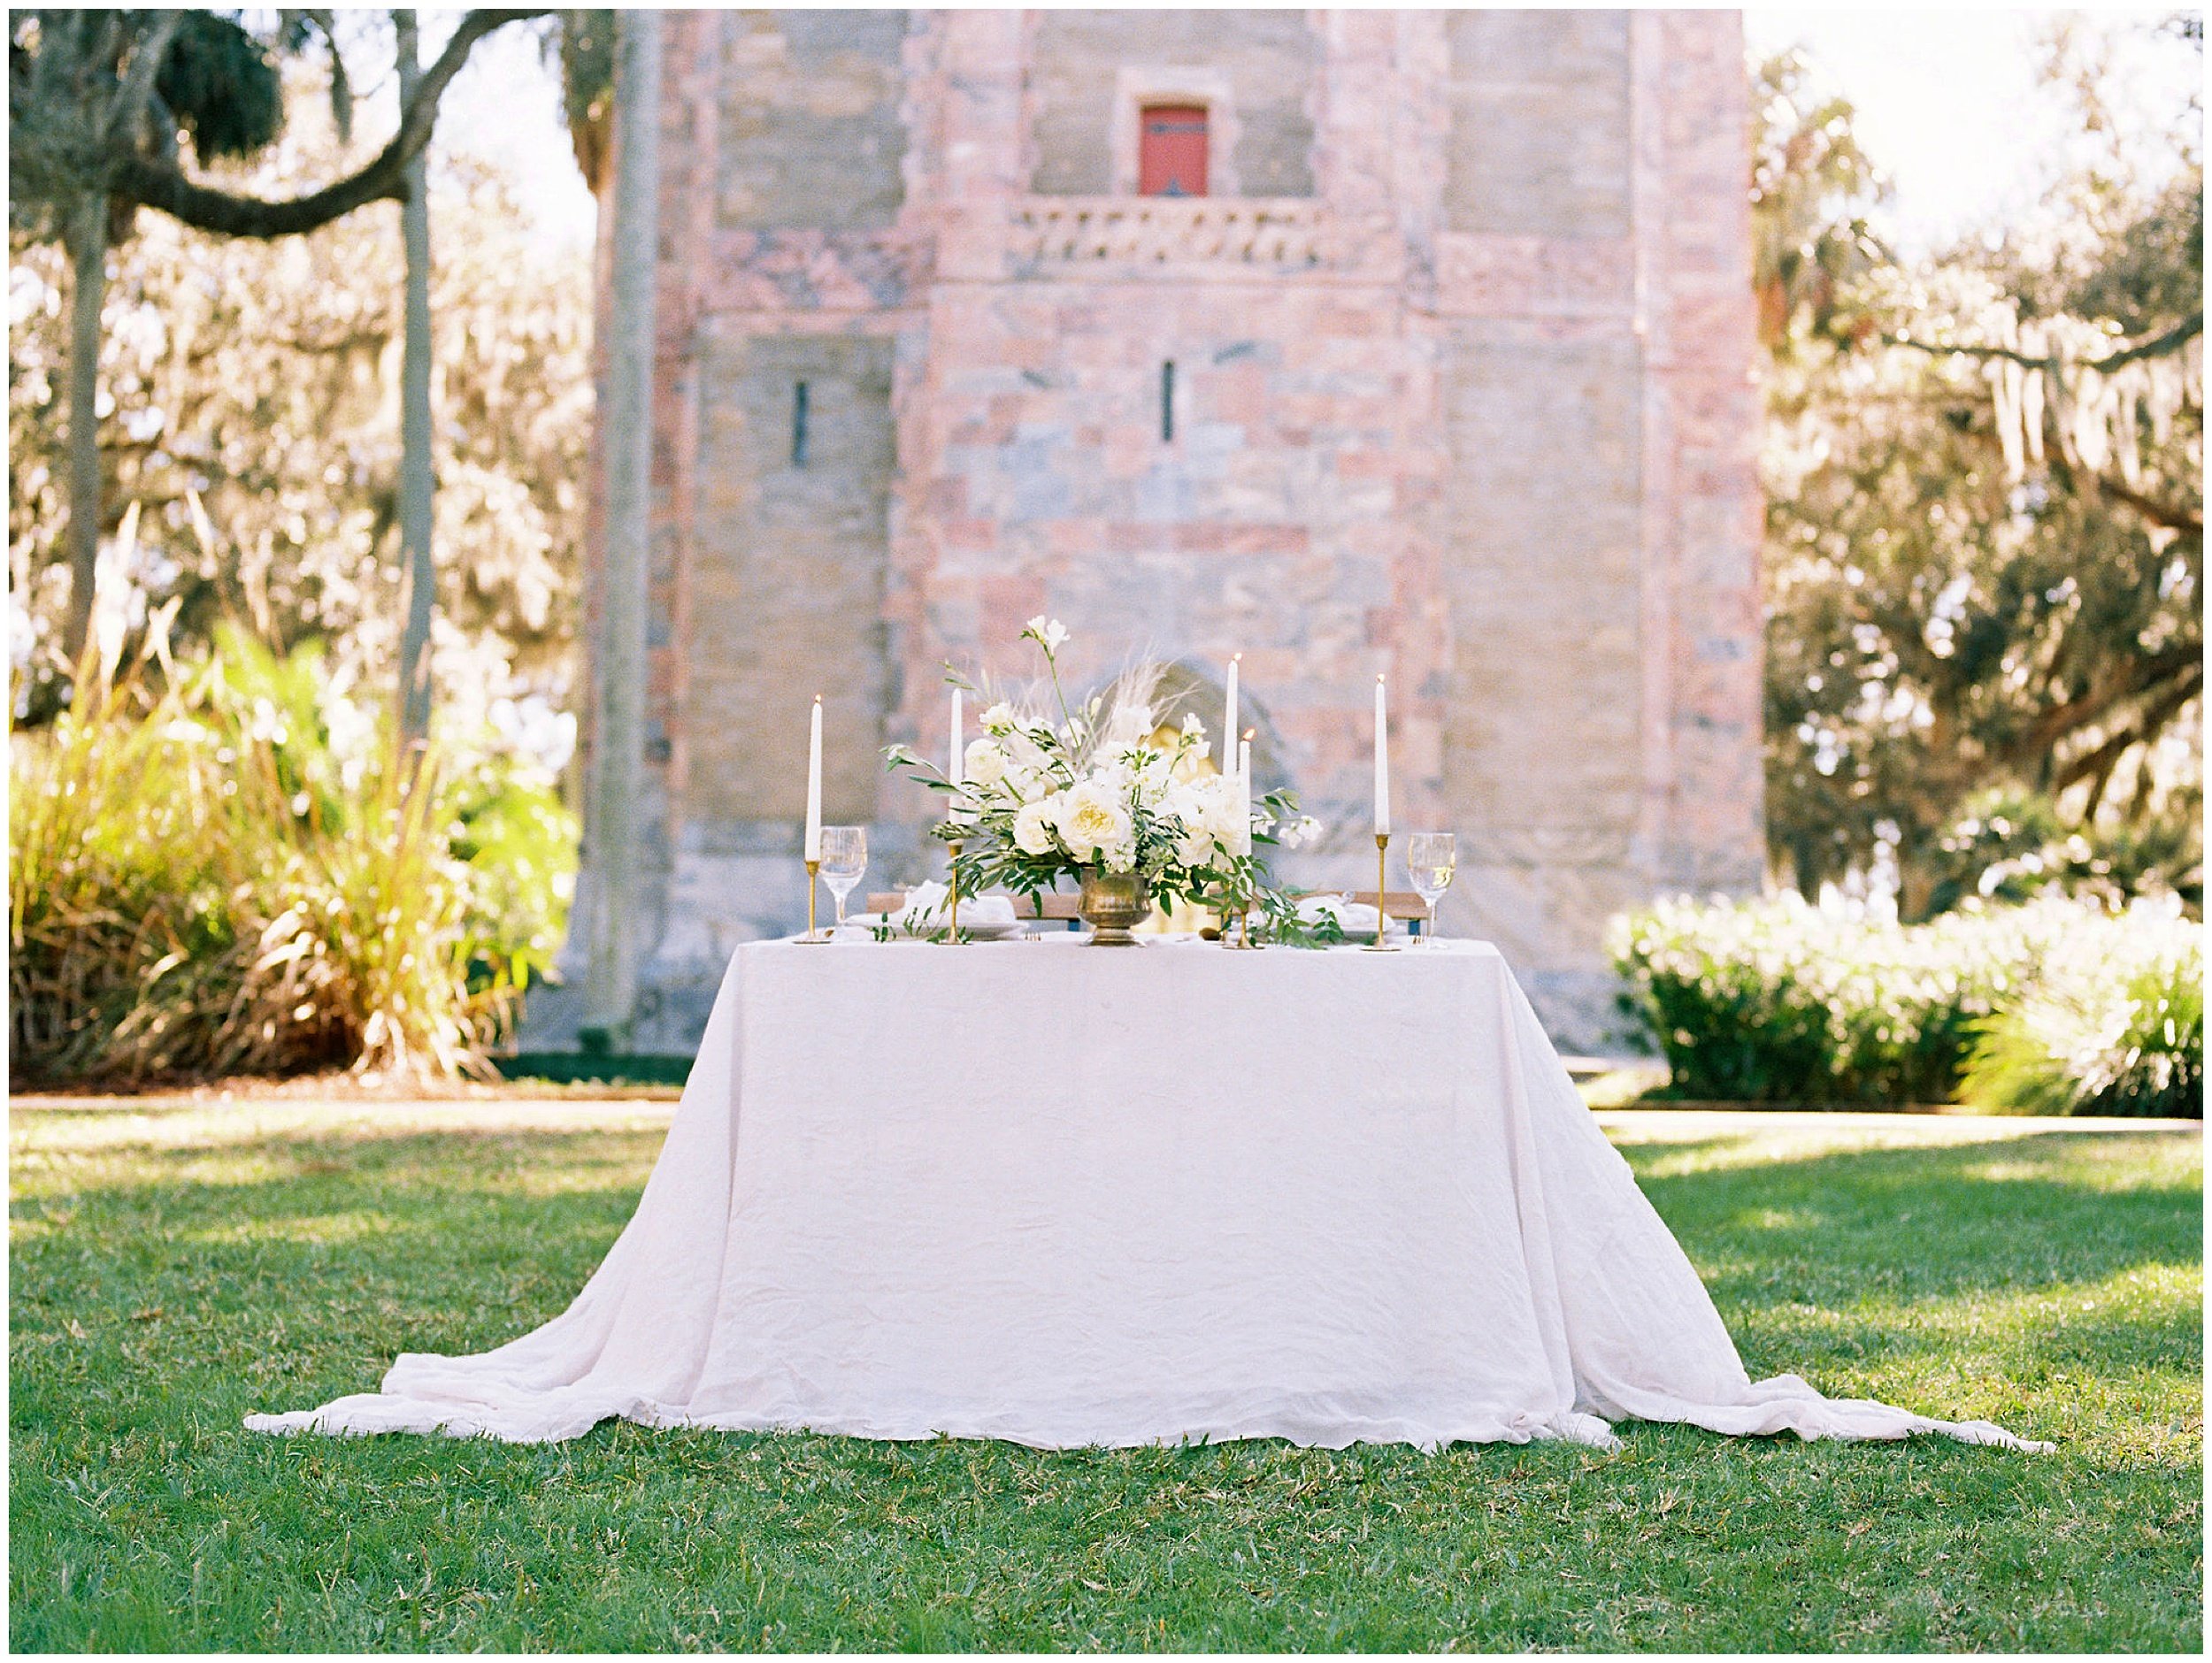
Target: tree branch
(164, 185)
(2142, 674)
(137, 88)
(2182, 518)
(2179, 335)
(2106, 757)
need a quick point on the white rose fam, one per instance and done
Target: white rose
(1188, 803)
(1089, 818)
(1033, 827)
(999, 718)
(1194, 847)
(1224, 819)
(986, 763)
(1224, 816)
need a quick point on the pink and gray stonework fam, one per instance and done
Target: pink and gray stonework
(1462, 394)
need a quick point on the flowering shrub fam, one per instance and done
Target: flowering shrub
(1779, 1002)
(1099, 790)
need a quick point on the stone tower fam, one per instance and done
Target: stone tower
(1435, 361)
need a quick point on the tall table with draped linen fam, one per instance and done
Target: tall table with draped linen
(1065, 1196)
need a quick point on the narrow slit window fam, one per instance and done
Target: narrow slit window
(1167, 401)
(1172, 151)
(798, 424)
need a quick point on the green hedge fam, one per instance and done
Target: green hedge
(2058, 1007)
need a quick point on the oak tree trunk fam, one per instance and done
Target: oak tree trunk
(416, 483)
(88, 246)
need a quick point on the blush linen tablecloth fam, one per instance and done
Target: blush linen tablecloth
(1067, 1196)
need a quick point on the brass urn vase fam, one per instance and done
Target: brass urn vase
(1111, 903)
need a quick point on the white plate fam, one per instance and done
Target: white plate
(1004, 931)
(995, 931)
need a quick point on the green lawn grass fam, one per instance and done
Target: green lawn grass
(175, 1269)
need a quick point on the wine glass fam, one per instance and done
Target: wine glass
(1430, 857)
(844, 858)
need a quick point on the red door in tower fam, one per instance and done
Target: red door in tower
(1172, 151)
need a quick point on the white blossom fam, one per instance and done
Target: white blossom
(1090, 819)
(1033, 827)
(985, 764)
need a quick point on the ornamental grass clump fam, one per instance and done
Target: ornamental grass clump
(1780, 1001)
(221, 868)
(2115, 1032)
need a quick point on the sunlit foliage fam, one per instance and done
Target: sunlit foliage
(225, 867)
(263, 377)
(2057, 1007)
(1984, 537)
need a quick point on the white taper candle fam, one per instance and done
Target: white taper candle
(1229, 721)
(814, 784)
(1244, 787)
(957, 771)
(1382, 760)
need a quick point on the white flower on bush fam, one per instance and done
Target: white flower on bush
(1034, 825)
(1301, 830)
(1090, 819)
(999, 719)
(985, 762)
(1049, 633)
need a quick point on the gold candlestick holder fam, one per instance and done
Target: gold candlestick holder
(1240, 935)
(1382, 895)
(813, 871)
(953, 939)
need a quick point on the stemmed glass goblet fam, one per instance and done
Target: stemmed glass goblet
(1431, 858)
(844, 858)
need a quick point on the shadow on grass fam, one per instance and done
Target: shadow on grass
(1934, 1222)
(1835, 1229)
(160, 1293)
(455, 1241)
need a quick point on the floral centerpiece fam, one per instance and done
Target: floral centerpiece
(1107, 794)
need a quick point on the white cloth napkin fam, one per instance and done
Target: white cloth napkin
(1354, 917)
(927, 909)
